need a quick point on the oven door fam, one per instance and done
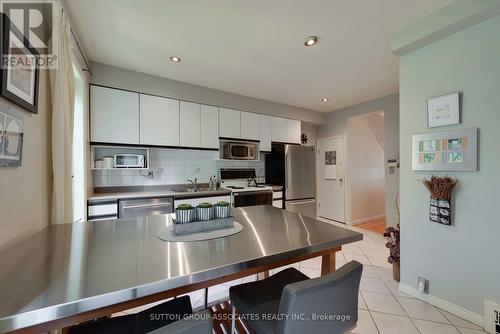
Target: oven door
(251, 198)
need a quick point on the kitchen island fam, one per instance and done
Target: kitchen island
(71, 273)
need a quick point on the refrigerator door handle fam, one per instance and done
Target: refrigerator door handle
(288, 171)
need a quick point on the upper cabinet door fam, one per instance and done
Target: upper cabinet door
(279, 132)
(265, 133)
(107, 106)
(190, 120)
(209, 127)
(293, 129)
(250, 126)
(229, 123)
(159, 121)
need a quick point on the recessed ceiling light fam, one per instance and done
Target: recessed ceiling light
(325, 99)
(175, 59)
(311, 40)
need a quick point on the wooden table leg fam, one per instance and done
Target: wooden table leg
(263, 275)
(328, 262)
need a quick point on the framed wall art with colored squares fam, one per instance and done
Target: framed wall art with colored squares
(445, 151)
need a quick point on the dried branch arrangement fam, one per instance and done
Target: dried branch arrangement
(440, 187)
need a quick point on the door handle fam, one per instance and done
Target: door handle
(341, 180)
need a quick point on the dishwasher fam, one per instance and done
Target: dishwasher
(138, 207)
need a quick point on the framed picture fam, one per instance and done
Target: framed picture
(11, 138)
(443, 110)
(445, 151)
(20, 72)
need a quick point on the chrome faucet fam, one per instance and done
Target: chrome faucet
(195, 184)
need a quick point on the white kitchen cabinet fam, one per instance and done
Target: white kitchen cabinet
(229, 123)
(293, 131)
(250, 126)
(114, 115)
(278, 128)
(278, 204)
(195, 201)
(159, 121)
(265, 133)
(209, 127)
(190, 124)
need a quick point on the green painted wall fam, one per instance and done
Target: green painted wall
(461, 261)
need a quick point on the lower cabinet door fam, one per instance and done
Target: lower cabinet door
(278, 203)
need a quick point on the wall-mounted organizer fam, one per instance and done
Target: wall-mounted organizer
(118, 158)
(441, 189)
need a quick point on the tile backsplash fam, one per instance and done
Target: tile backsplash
(174, 166)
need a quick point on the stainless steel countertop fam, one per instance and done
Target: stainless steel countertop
(70, 268)
(155, 191)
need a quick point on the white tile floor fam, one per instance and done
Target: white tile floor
(383, 309)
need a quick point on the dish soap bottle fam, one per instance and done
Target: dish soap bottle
(211, 184)
(216, 183)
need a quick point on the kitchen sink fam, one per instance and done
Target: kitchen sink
(191, 190)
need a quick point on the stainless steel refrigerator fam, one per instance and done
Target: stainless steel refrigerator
(293, 167)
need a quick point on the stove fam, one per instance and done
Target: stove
(242, 194)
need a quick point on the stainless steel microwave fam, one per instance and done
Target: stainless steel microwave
(124, 160)
(234, 150)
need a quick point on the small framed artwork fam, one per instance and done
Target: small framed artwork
(443, 110)
(331, 165)
(445, 151)
(11, 137)
(20, 72)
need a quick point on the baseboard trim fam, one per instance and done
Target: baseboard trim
(367, 219)
(444, 305)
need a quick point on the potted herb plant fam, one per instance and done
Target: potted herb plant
(392, 235)
(204, 211)
(185, 213)
(222, 210)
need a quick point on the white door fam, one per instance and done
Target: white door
(331, 178)
(229, 123)
(114, 115)
(159, 121)
(209, 127)
(250, 126)
(190, 129)
(265, 133)
(79, 144)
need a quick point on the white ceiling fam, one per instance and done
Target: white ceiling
(255, 47)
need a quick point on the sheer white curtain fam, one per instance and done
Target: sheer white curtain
(62, 91)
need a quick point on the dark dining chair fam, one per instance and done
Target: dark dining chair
(169, 317)
(289, 302)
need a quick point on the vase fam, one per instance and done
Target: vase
(396, 271)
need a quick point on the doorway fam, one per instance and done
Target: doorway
(331, 178)
(366, 173)
(78, 165)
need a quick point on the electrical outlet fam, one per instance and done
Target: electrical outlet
(491, 317)
(422, 285)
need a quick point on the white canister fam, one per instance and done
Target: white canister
(98, 164)
(108, 162)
